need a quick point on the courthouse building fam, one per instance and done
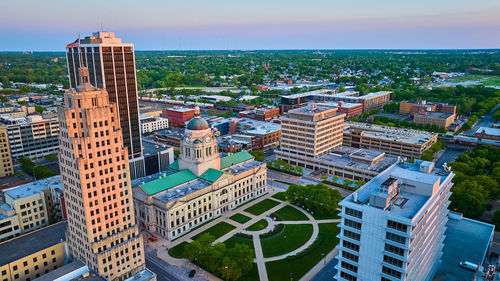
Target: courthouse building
(200, 185)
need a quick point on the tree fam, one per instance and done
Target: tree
(212, 111)
(51, 157)
(40, 109)
(318, 198)
(176, 153)
(258, 154)
(468, 198)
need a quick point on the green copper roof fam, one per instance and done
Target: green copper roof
(211, 175)
(234, 159)
(168, 182)
(175, 165)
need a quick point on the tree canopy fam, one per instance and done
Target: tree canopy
(477, 180)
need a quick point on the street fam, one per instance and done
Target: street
(158, 266)
(449, 155)
(485, 121)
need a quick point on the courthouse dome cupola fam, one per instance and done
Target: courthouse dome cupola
(197, 123)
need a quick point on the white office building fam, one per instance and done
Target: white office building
(150, 124)
(392, 228)
(32, 137)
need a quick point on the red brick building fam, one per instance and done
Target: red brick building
(261, 114)
(350, 109)
(178, 116)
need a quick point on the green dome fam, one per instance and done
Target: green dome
(197, 123)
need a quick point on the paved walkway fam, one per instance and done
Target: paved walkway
(261, 264)
(260, 260)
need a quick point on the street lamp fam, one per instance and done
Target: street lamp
(227, 269)
(324, 258)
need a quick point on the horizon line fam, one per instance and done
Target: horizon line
(252, 50)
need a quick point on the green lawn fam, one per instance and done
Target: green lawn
(217, 230)
(492, 81)
(178, 251)
(291, 238)
(239, 240)
(298, 266)
(262, 206)
(240, 218)
(486, 80)
(289, 213)
(258, 226)
(280, 196)
(326, 217)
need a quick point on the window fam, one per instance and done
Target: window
(352, 224)
(396, 238)
(393, 261)
(349, 266)
(353, 213)
(350, 245)
(347, 276)
(352, 235)
(394, 250)
(391, 272)
(397, 226)
(350, 256)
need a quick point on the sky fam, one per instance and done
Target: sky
(254, 24)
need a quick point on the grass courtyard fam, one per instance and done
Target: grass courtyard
(289, 213)
(262, 224)
(262, 206)
(290, 238)
(240, 218)
(284, 239)
(297, 266)
(217, 230)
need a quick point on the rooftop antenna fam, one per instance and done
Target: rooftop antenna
(80, 51)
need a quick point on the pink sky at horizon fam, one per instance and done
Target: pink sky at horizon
(258, 24)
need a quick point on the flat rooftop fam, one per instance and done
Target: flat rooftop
(341, 157)
(434, 114)
(32, 242)
(182, 190)
(466, 240)
(32, 188)
(67, 271)
(243, 167)
(180, 109)
(406, 204)
(150, 148)
(6, 208)
(389, 133)
(144, 275)
(367, 96)
(489, 131)
(264, 129)
(338, 104)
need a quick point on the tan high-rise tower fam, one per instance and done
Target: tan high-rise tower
(96, 182)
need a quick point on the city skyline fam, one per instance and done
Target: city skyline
(223, 25)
